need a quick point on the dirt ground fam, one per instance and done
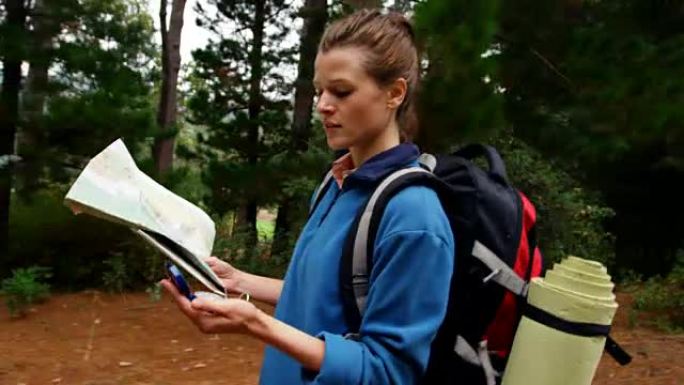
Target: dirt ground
(93, 338)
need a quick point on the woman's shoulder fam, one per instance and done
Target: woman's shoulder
(415, 208)
(412, 197)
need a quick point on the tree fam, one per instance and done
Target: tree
(402, 6)
(100, 83)
(166, 117)
(599, 85)
(459, 97)
(241, 96)
(98, 55)
(12, 52)
(466, 88)
(254, 105)
(314, 13)
(358, 4)
(46, 20)
(99, 65)
(596, 87)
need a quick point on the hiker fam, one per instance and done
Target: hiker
(366, 74)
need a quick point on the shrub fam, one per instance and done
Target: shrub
(24, 288)
(82, 251)
(570, 217)
(115, 279)
(265, 230)
(661, 299)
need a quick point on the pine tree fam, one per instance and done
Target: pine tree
(13, 33)
(89, 66)
(599, 86)
(314, 13)
(162, 150)
(458, 98)
(241, 95)
(100, 84)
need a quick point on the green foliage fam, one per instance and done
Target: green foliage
(459, 95)
(595, 92)
(24, 288)
(233, 245)
(154, 292)
(99, 67)
(265, 230)
(115, 277)
(46, 233)
(661, 299)
(245, 126)
(570, 218)
(598, 86)
(589, 94)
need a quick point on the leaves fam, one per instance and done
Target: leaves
(220, 99)
(24, 288)
(457, 104)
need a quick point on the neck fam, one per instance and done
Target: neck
(386, 140)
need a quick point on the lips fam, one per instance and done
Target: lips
(331, 125)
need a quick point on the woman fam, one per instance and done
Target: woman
(366, 73)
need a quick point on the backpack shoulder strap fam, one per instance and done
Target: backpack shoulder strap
(356, 259)
(501, 272)
(320, 192)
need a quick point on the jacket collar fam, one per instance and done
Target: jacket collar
(380, 165)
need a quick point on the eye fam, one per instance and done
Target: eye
(341, 93)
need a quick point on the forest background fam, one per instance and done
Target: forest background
(584, 99)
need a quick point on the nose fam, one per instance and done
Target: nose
(324, 105)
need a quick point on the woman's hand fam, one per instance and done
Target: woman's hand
(229, 276)
(238, 282)
(214, 316)
(238, 316)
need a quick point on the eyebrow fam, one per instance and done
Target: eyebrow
(344, 81)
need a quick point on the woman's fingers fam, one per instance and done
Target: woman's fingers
(212, 316)
(216, 306)
(211, 261)
(201, 304)
(169, 287)
(218, 266)
(182, 302)
(209, 323)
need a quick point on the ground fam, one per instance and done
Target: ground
(93, 338)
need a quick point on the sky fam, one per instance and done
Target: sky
(192, 36)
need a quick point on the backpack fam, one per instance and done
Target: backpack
(496, 256)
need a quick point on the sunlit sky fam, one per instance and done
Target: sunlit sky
(192, 36)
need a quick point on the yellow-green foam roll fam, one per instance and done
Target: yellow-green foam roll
(577, 291)
(563, 279)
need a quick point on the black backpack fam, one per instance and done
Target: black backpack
(496, 256)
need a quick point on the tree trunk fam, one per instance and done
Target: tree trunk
(358, 4)
(315, 15)
(254, 106)
(168, 106)
(31, 141)
(9, 107)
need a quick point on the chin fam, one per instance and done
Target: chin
(336, 144)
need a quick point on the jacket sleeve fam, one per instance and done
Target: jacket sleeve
(406, 303)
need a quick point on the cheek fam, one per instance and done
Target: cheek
(366, 113)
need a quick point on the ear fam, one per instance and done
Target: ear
(396, 93)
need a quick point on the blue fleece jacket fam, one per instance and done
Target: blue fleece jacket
(409, 282)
